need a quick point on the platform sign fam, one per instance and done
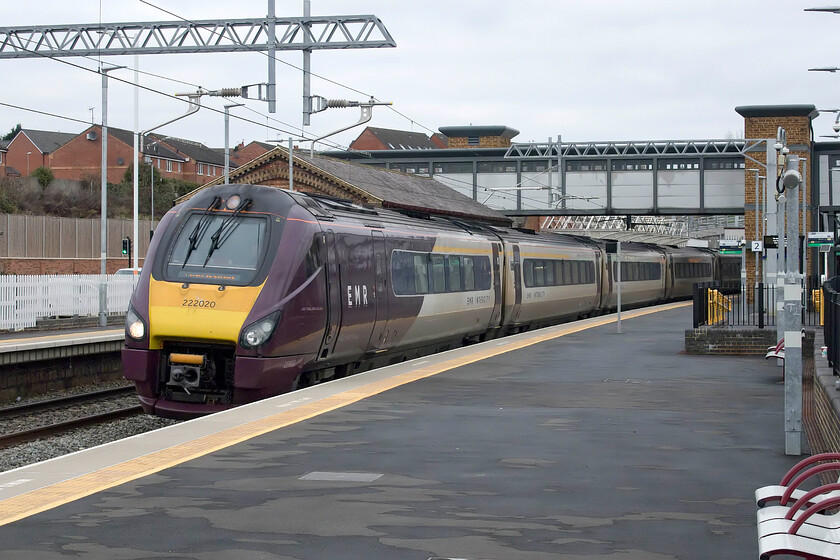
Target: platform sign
(820, 238)
(757, 246)
(730, 247)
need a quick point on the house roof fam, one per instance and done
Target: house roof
(47, 141)
(194, 150)
(127, 138)
(401, 139)
(391, 189)
(4, 144)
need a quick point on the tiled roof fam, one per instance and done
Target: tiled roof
(401, 139)
(391, 188)
(150, 148)
(194, 150)
(46, 141)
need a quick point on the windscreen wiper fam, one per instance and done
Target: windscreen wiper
(200, 228)
(226, 228)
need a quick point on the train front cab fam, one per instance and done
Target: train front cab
(230, 304)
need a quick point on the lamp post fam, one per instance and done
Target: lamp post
(27, 163)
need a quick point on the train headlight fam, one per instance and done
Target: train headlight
(258, 332)
(135, 327)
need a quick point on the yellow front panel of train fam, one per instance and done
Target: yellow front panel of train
(199, 312)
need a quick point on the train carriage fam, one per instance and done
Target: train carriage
(643, 276)
(686, 267)
(555, 278)
(251, 291)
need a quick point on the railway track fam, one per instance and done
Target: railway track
(39, 413)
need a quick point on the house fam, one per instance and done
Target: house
(3, 149)
(81, 157)
(201, 164)
(243, 153)
(387, 139)
(30, 149)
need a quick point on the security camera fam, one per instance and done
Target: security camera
(785, 151)
(836, 127)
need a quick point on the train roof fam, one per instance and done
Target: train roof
(364, 183)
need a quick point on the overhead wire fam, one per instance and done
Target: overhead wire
(43, 113)
(295, 67)
(294, 130)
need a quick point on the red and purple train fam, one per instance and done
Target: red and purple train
(252, 291)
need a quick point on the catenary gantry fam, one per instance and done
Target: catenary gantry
(166, 37)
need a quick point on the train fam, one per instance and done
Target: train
(251, 291)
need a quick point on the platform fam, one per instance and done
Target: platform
(32, 346)
(574, 441)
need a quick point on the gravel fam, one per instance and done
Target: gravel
(76, 440)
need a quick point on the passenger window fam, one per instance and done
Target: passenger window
(438, 274)
(539, 273)
(454, 270)
(528, 272)
(483, 274)
(549, 274)
(421, 274)
(402, 273)
(469, 273)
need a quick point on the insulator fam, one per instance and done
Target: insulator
(337, 103)
(227, 92)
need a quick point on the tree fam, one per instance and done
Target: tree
(44, 175)
(11, 133)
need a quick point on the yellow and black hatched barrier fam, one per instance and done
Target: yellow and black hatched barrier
(816, 301)
(717, 307)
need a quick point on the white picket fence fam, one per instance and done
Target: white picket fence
(25, 299)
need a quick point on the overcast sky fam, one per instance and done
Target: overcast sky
(590, 71)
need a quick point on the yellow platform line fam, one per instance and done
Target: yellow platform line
(60, 493)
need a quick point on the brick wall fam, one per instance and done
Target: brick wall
(750, 342)
(60, 266)
(33, 378)
(824, 426)
(22, 153)
(735, 341)
(80, 158)
(763, 122)
(367, 141)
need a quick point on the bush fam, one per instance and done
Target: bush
(44, 175)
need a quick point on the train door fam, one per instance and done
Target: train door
(516, 269)
(379, 334)
(498, 277)
(329, 258)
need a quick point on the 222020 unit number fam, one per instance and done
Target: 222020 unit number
(198, 303)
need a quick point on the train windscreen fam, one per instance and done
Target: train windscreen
(218, 249)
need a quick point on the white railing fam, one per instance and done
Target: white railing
(25, 299)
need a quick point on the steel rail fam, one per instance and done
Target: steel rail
(24, 436)
(69, 400)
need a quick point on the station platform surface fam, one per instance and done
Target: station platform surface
(574, 441)
(27, 346)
